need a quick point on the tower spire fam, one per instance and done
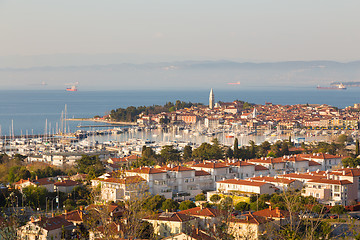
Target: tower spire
(211, 99)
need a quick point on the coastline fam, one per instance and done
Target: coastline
(102, 121)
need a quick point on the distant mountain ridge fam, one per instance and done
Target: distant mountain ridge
(185, 74)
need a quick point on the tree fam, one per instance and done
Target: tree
(187, 153)
(154, 203)
(90, 165)
(337, 209)
(200, 197)
(170, 205)
(242, 206)
(258, 205)
(209, 151)
(170, 154)
(227, 204)
(186, 205)
(215, 198)
(229, 153)
(236, 148)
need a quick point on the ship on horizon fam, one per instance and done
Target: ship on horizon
(337, 87)
(73, 87)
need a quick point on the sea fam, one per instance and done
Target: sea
(33, 112)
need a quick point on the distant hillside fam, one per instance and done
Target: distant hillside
(184, 75)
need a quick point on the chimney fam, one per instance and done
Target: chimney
(52, 215)
(270, 208)
(32, 219)
(40, 218)
(201, 207)
(28, 179)
(118, 227)
(36, 178)
(277, 211)
(66, 212)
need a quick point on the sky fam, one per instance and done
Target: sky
(60, 32)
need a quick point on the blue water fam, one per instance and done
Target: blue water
(29, 109)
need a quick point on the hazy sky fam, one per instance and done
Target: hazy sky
(253, 30)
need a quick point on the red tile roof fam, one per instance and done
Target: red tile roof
(331, 181)
(250, 219)
(271, 213)
(211, 165)
(273, 179)
(181, 169)
(260, 168)
(66, 183)
(201, 173)
(146, 170)
(242, 182)
(203, 212)
(170, 216)
(52, 223)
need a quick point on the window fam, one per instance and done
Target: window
(336, 188)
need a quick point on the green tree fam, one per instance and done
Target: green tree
(187, 153)
(35, 196)
(236, 148)
(170, 154)
(186, 205)
(258, 205)
(154, 203)
(337, 209)
(90, 165)
(227, 204)
(215, 198)
(170, 205)
(229, 153)
(242, 206)
(200, 197)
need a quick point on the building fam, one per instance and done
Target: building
(248, 226)
(171, 223)
(55, 228)
(244, 187)
(118, 189)
(211, 99)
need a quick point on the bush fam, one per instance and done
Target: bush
(200, 197)
(186, 205)
(242, 206)
(215, 198)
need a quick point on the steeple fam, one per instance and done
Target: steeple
(211, 99)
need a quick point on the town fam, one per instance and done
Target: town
(280, 188)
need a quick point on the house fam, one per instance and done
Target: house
(327, 161)
(331, 192)
(119, 189)
(66, 186)
(280, 217)
(42, 182)
(248, 226)
(206, 216)
(55, 228)
(246, 187)
(171, 223)
(156, 179)
(217, 170)
(283, 184)
(195, 234)
(109, 231)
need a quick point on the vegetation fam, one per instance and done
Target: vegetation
(130, 114)
(170, 205)
(200, 197)
(186, 205)
(90, 165)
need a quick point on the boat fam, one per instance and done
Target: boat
(71, 89)
(337, 87)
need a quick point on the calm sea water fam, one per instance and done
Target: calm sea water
(29, 110)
